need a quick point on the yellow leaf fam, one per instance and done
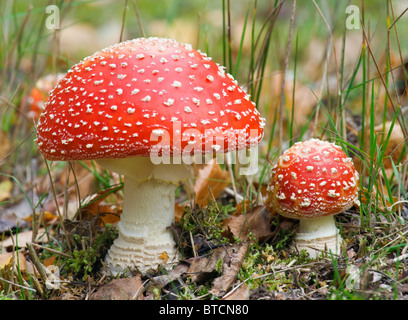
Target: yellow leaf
(47, 217)
(8, 259)
(5, 189)
(164, 256)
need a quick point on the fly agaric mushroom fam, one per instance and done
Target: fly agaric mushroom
(130, 106)
(313, 181)
(39, 94)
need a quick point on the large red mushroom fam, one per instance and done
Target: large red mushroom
(313, 181)
(145, 108)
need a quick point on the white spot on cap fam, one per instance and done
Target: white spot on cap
(333, 194)
(305, 203)
(169, 102)
(146, 99)
(281, 196)
(176, 84)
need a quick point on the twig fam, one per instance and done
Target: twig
(123, 21)
(37, 262)
(52, 250)
(139, 22)
(57, 205)
(17, 285)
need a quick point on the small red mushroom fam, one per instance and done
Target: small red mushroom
(39, 94)
(313, 181)
(142, 108)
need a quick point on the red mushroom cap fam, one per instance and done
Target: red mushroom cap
(39, 94)
(125, 99)
(313, 179)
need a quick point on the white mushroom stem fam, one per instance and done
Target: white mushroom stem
(318, 234)
(144, 240)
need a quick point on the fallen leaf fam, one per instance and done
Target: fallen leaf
(379, 203)
(211, 177)
(230, 269)
(5, 189)
(240, 207)
(120, 289)
(241, 293)
(50, 261)
(173, 274)
(395, 145)
(257, 221)
(202, 267)
(94, 207)
(46, 217)
(178, 211)
(8, 259)
(20, 239)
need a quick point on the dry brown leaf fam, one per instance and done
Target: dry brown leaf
(50, 261)
(231, 267)
(95, 208)
(380, 205)
(46, 217)
(9, 258)
(257, 221)
(121, 289)
(241, 293)
(213, 178)
(395, 144)
(21, 239)
(178, 211)
(109, 214)
(240, 207)
(202, 267)
(173, 274)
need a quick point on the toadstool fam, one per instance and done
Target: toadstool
(313, 181)
(143, 108)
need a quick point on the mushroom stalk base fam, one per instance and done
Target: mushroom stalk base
(144, 240)
(317, 235)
